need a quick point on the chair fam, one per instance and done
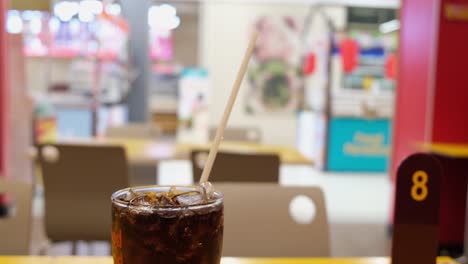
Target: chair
(237, 167)
(135, 130)
(139, 174)
(15, 229)
(257, 221)
(249, 134)
(78, 182)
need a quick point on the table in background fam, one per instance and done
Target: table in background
(108, 260)
(143, 151)
(287, 155)
(455, 162)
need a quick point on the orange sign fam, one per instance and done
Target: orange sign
(456, 12)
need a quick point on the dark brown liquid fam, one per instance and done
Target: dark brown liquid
(179, 237)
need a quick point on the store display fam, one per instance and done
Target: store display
(193, 104)
(161, 47)
(364, 58)
(162, 19)
(84, 28)
(164, 95)
(363, 73)
(311, 126)
(274, 72)
(80, 51)
(45, 125)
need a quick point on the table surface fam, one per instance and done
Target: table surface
(151, 151)
(445, 149)
(108, 260)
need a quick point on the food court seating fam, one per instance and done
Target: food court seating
(249, 134)
(78, 182)
(15, 229)
(269, 220)
(140, 174)
(134, 130)
(237, 167)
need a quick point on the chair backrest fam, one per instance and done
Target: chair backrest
(135, 130)
(258, 221)
(249, 134)
(78, 182)
(15, 229)
(237, 167)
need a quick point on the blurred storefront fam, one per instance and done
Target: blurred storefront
(323, 73)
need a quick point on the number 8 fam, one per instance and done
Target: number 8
(420, 179)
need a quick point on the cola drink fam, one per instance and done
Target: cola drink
(170, 225)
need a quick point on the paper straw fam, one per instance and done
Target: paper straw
(227, 111)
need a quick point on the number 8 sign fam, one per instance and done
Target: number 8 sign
(415, 232)
(419, 183)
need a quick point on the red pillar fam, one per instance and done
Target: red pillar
(415, 79)
(3, 99)
(432, 92)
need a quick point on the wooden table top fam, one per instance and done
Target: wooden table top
(445, 149)
(152, 151)
(287, 155)
(108, 260)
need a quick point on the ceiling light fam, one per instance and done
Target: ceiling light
(66, 10)
(93, 6)
(113, 9)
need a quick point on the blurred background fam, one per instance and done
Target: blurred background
(153, 77)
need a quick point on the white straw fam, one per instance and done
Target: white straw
(227, 111)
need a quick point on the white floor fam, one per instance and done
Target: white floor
(358, 206)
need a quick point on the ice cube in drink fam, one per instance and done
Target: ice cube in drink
(170, 225)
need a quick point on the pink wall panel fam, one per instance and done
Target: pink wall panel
(417, 44)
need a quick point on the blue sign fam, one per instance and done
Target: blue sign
(358, 144)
